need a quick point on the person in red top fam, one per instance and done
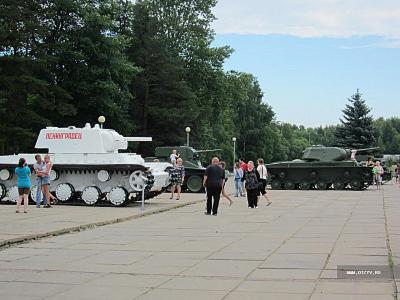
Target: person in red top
(244, 167)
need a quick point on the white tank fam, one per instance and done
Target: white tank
(87, 165)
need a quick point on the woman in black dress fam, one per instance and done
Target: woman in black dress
(177, 178)
(252, 178)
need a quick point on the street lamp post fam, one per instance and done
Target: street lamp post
(187, 129)
(234, 152)
(101, 120)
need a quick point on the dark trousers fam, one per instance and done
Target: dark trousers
(252, 197)
(213, 192)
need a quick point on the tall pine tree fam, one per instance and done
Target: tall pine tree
(356, 130)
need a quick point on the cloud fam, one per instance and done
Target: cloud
(310, 18)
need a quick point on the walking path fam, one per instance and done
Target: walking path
(289, 250)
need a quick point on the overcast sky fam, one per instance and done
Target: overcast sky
(311, 55)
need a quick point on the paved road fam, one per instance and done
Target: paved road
(289, 250)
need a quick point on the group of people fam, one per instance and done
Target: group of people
(42, 169)
(247, 177)
(249, 181)
(377, 172)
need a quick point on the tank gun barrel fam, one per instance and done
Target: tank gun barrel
(138, 139)
(372, 149)
(208, 150)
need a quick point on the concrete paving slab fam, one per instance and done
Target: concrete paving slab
(284, 274)
(87, 292)
(58, 277)
(222, 268)
(265, 296)
(277, 286)
(130, 280)
(29, 289)
(350, 297)
(201, 283)
(339, 259)
(182, 295)
(295, 261)
(354, 287)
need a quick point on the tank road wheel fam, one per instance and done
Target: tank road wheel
(33, 194)
(321, 185)
(194, 184)
(90, 195)
(282, 175)
(138, 181)
(355, 184)
(64, 191)
(289, 185)
(276, 185)
(364, 186)
(54, 175)
(347, 174)
(13, 194)
(103, 176)
(118, 195)
(338, 185)
(3, 191)
(5, 174)
(304, 185)
(150, 180)
(366, 176)
(313, 174)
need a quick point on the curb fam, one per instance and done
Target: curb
(32, 237)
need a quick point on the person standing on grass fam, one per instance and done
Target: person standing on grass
(213, 182)
(262, 170)
(252, 179)
(39, 167)
(23, 183)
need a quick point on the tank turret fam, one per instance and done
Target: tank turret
(84, 140)
(88, 166)
(326, 154)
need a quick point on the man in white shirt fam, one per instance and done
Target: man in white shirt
(262, 170)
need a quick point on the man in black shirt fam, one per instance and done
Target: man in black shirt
(213, 180)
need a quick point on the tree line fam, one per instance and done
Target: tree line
(149, 66)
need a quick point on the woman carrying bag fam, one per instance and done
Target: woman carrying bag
(252, 185)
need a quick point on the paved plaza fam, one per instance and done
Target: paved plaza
(289, 250)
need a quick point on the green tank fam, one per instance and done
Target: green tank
(322, 168)
(194, 169)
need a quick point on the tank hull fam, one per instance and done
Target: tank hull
(114, 178)
(319, 175)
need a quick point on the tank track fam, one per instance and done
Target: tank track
(90, 174)
(320, 178)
